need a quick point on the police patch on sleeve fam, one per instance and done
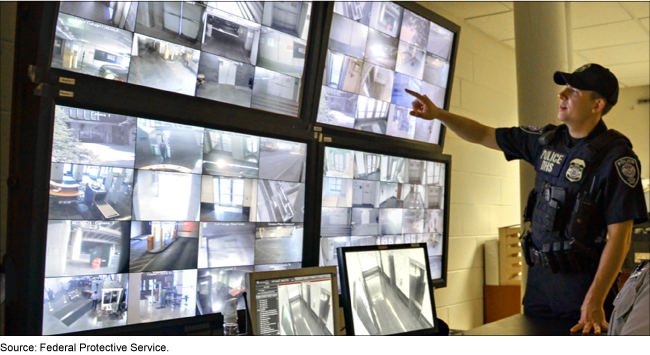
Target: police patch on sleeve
(628, 170)
(532, 129)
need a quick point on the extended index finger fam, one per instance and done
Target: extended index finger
(413, 93)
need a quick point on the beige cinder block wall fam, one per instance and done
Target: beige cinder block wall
(485, 187)
(7, 41)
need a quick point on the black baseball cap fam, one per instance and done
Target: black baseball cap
(592, 77)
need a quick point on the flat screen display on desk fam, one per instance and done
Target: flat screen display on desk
(380, 199)
(151, 220)
(387, 290)
(375, 51)
(294, 302)
(249, 54)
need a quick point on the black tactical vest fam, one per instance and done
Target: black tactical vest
(565, 204)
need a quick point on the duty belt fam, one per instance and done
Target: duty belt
(562, 257)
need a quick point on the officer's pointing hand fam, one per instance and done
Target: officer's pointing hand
(423, 107)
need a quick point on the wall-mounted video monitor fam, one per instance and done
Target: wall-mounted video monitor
(379, 199)
(249, 54)
(151, 220)
(387, 290)
(294, 302)
(375, 51)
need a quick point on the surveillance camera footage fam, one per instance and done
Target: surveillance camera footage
(91, 48)
(214, 50)
(79, 303)
(384, 200)
(76, 248)
(389, 290)
(159, 246)
(90, 192)
(93, 138)
(160, 203)
(170, 147)
(376, 50)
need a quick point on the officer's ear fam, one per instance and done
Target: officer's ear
(598, 104)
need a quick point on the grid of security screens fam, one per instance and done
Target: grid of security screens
(375, 51)
(151, 220)
(250, 54)
(376, 199)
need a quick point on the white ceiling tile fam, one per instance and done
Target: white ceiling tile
(608, 35)
(632, 82)
(646, 23)
(639, 9)
(627, 53)
(637, 72)
(500, 26)
(469, 9)
(588, 13)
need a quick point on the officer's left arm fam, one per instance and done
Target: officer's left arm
(592, 313)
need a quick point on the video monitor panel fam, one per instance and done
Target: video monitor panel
(281, 53)
(387, 18)
(167, 146)
(225, 80)
(90, 192)
(376, 50)
(337, 107)
(161, 295)
(224, 244)
(91, 48)
(117, 14)
(164, 65)
(218, 285)
(354, 10)
(82, 303)
(394, 200)
(280, 201)
(387, 290)
(294, 302)
(276, 92)
(93, 138)
(282, 160)
(290, 17)
(166, 196)
(249, 54)
(159, 246)
(172, 21)
(164, 204)
(227, 199)
(77, 248)
(231, 154)
(231, 36)
(278, 243)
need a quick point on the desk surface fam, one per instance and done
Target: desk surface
(520, 324)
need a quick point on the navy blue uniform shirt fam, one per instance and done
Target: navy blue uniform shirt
(619, 169)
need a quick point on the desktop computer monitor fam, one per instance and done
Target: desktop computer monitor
(386, 290)
(294, 302)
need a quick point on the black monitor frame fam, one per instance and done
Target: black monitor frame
(345, 287)
(389, 147)
(38, 88)
(334, 130)
(251, 278)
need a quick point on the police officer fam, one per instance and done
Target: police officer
(587, 187)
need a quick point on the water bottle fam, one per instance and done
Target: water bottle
(229, 312)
